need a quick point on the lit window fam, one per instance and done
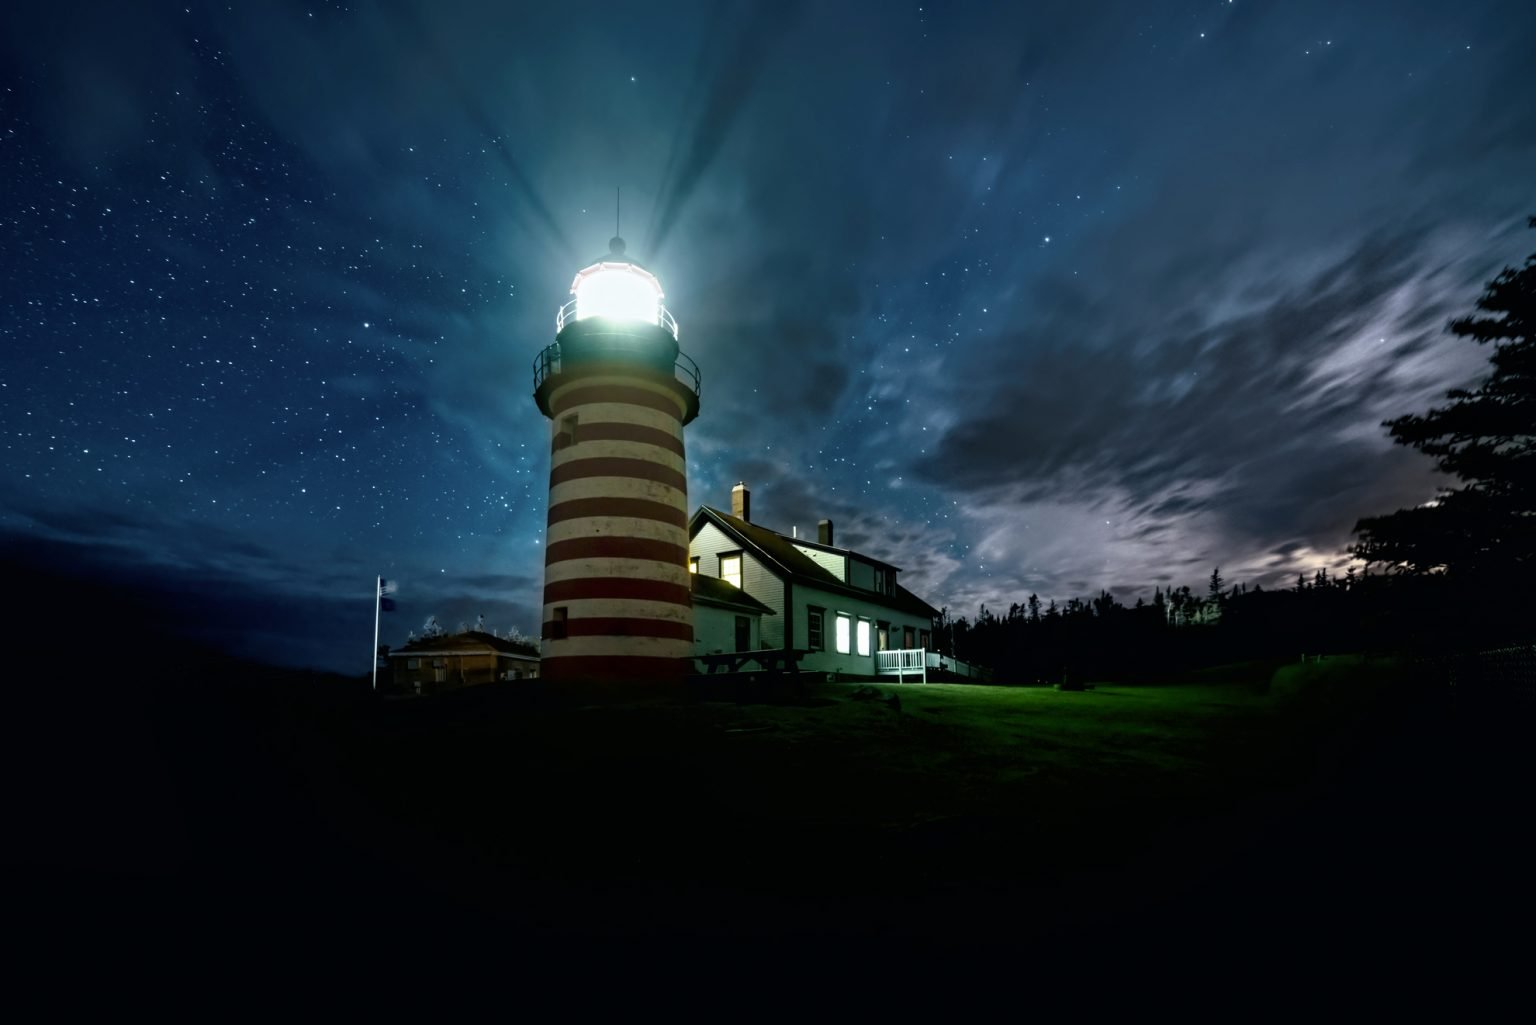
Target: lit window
(730, 569)
(863, 637)
(693, 564)
(844, 628)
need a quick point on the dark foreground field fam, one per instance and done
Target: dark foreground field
(1329, 818)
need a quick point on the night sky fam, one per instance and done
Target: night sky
(1038, 297)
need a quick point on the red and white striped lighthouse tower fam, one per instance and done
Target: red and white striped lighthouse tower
(617, 391)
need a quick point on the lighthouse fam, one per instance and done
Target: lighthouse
(618, 392)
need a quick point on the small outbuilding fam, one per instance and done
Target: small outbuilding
(449, 661)
(725, 618)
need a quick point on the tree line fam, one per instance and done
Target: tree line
(1182, 629)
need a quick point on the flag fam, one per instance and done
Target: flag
(386, 588)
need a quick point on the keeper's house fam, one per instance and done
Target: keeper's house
(837, 605)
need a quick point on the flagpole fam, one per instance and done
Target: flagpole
(378, 591)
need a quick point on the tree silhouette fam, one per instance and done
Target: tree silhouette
(1485, 438)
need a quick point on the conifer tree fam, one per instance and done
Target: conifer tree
(1485, 438)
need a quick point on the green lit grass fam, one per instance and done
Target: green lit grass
(968, 811)
(1061, 800)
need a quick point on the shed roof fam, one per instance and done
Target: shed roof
(714, 591)
(468, 642)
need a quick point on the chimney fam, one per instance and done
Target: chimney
(741, 502)
(824, 531)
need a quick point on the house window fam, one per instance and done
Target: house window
(438, 663)
(882, 636)
(862, 636)
(882, 580)
(730, 569)
(844, 631)
(693, 564)
(908, 641)
(815, 621)
(557, 625)
(922, 638)
(413, 663)
(743, 633)
(567, 431)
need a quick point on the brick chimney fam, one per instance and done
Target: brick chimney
(741, 502)
(824, 531)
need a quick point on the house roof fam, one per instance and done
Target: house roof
(781, 555)
(464, 643)
(835, 550)
(714, 591)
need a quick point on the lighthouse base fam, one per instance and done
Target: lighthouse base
(617, 677)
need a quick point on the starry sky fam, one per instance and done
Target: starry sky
(1038, 297)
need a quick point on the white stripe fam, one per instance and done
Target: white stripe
(611, 380)
(621, 413)
(622, 608)
(618, 487)
(603, 449)
(628, 569)
(616, 526)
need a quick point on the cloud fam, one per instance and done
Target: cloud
(1098, 455)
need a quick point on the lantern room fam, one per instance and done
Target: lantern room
(616, 288)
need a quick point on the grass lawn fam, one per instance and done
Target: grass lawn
(1336, 808)
(967, 810)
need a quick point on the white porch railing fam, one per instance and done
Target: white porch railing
(899, 662)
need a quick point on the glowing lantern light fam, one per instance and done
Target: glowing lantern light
(619, 290)
(616, 289)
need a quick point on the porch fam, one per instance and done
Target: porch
(904, 662)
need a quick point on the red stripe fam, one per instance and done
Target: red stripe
(614, 466)
(617, 587)
(635, 508)
(623, 626)
(620, 432)
(622, 393)
(616, 548)
(613, 667)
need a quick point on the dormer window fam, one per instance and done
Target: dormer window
(730, 569)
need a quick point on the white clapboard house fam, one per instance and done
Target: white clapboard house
(841, 607)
